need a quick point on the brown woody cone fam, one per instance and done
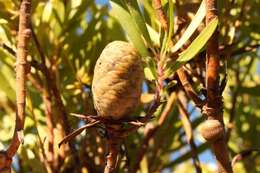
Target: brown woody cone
(117, 80)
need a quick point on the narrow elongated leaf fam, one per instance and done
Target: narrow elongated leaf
(171, 21)
(139, 20)
(154, 35)
(194, 47)
(129, 26)
(47, 12)
(199, 16)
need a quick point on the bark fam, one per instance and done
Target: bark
(21, 70)
(214, 107)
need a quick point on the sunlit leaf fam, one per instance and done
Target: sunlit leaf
(194, 47)
(129, 26)
(171, 22)
(47, 11)
(192, 27)
(154, 35)
(139, 20)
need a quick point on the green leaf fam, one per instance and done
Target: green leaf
(139, 20)
(199, 16)
(47, 12)
(154, 35)
(194, 47)
(129, 26)
(148, 74)
(171, 22)
(7, 83)
(3, 35)
(75, 3)
(164, 43)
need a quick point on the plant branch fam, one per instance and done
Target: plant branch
(24, 34)
(188, 88)
(21, 63)
(244, 154)
(48, 166)
(113, 147)
(161, 16)
(49, 121)
(214, 107)
(8, 49)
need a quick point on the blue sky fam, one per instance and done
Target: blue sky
(101, 2)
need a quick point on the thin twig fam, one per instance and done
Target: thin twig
(188, 88)
(47, 165)
(49, 121)
(243, 154)
(8, 49)
(161, 16)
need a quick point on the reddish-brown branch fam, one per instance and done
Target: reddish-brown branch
(49, 122)
(21, 64)
(188, 88)
(214, 104)
(161, 16)
(213, 59)
(113, 144)
(24, 34)
(48, 168)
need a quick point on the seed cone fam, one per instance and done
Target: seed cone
(117, 80)
(212, 130)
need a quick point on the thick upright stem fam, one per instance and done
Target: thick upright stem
(21, 66)
(214, 106)
(113, 146)
(212, 56)
(24, 34)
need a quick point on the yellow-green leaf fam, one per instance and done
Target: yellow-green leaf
(199, 16)
(194, 47)
(129, 25)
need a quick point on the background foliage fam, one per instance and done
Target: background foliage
(71, 36)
